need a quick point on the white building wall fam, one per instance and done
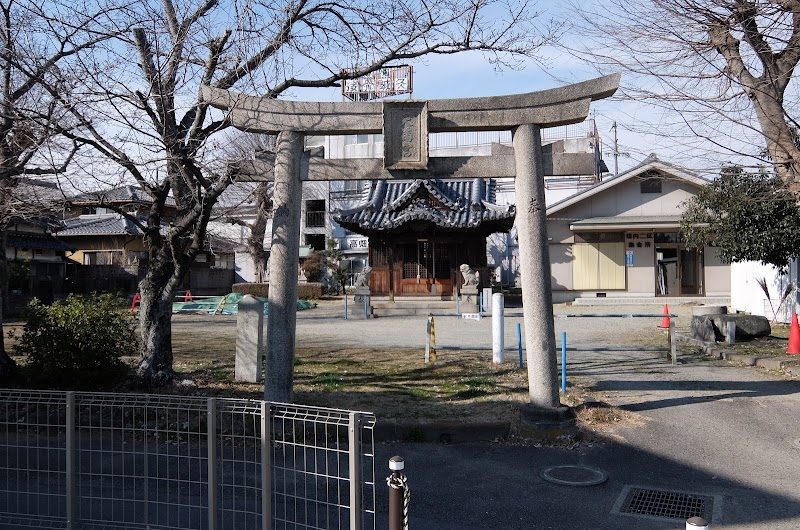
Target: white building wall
(748, 296)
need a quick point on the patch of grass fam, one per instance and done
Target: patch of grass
(419, 393)
(329, 381)
(470, 387)
(601, 414)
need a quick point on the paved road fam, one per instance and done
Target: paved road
(730, 433)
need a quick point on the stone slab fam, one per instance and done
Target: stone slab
(405, 134)
(249, 340)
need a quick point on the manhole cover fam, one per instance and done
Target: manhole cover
(664, 504)
(574, 475)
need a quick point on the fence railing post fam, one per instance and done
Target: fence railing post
(266, 468)
(70, 468)
(673, 344)
(211, 434)
(354, 435)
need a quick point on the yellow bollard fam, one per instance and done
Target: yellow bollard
(430, 343)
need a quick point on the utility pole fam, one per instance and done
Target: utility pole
(616, 150)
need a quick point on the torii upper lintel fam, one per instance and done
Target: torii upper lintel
(546, 108)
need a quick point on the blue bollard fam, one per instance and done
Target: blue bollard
(519, 342)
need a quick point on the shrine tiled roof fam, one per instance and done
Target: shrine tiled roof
(458, 205)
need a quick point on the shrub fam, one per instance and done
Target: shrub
(256, 289)
(78, 343)
(313, 266)
(309, 291)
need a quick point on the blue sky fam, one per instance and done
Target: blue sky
(471, 75)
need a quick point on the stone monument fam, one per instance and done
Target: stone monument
(249, 339)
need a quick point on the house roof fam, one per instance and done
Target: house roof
(651, 163)
(102, 225)
(36, 242)
(123, 195)
(456, 205)
(627, 221)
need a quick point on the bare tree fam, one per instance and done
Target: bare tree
(40, 43)
(727, 67)
(145, 117)
(244, 146)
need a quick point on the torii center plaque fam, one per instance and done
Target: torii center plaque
(406, 125)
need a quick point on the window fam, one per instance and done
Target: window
(651, 184)
(315, 213)
(316, 241)
(598, 261)
(351, 139)
(108, 257)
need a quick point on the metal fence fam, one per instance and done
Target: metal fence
(129, 461)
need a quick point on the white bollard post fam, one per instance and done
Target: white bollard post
(731, 333)
(498, 329)
(696, 523)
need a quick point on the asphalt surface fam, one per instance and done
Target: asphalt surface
(729, 433)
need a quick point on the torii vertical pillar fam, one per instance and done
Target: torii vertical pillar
(534, 257)
(282, 311)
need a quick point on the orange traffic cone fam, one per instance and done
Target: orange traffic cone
(665, 321)
(188, 297)
(137, 298)
(794, 337)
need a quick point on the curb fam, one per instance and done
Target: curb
(769, 363)
(713, 350)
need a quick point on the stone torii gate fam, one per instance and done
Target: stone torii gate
(405, 125)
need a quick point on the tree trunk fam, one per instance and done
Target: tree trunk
(255, 243)
(781, 143)
(157, 290)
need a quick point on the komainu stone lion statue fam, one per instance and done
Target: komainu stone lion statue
(471, 278)
(362, 280)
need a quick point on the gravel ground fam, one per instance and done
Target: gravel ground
(327, 323)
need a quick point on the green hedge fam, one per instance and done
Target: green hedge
(256, 289)
(309, 291)
(305, 291)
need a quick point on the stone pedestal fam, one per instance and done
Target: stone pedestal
(469, 302)
(362, 296)
(249, 340)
